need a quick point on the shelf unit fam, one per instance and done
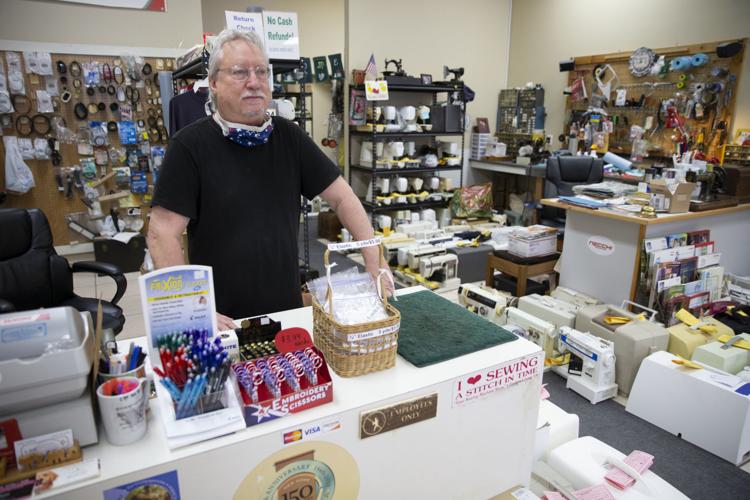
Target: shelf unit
(433, 90)
(198, 68)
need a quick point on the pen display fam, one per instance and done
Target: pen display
(194, 370)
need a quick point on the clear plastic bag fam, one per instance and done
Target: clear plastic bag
(354, 295)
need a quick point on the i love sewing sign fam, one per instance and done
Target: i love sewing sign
(475, 386)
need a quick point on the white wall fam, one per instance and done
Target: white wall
(427, 35)
(321, 24)
(65, 23)
(545, 32)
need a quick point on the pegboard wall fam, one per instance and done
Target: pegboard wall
(118, 96)
(688, 104)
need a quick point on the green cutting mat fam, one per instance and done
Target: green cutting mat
(434, 329)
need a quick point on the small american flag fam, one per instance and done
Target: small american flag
(371, 71)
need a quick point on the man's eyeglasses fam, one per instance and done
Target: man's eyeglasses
(242, 74)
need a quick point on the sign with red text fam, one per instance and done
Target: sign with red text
(293, 339)
(475, 386)
(600, 245)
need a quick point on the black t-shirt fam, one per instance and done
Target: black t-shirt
(244, 206)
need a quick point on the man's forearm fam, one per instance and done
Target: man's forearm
(166, 251)
(354, 218)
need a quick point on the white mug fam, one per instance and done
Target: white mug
(124, 415)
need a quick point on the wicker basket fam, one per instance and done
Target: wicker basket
(353, 350)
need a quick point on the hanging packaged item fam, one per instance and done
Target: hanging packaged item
(18, 176)
(472, 201)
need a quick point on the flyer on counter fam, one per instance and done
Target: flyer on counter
(177, 299)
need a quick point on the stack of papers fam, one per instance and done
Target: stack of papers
(582, 201)
(638, 460)
(606, 189)
(535, 232)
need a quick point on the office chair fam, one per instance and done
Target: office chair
(32, 275)
(564, 172)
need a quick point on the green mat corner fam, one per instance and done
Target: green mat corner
(434, 329)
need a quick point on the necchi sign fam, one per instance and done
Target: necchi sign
(374, 422)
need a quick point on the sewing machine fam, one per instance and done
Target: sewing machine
(597, 379)
(537, 330)
(723, 355)
(683, 339)
(484, 301)
(549, 309)
(574, 297)
(439, 267)
(633, 340)
(393, 244)
(411, 228)
(421, 252)
(48, 391)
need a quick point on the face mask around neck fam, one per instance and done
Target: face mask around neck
(245, 135)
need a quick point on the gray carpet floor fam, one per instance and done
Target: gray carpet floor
(695, 472)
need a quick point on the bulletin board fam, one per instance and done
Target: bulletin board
(145, 105)
(712, 81)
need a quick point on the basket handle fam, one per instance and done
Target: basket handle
(353, 245)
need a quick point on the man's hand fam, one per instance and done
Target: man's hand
(385, 279)
(224, 323)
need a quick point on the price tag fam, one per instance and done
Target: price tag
(293, 339)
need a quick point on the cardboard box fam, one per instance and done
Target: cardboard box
(270, 408)
(666, 201)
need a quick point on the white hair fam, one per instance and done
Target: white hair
(225, 37)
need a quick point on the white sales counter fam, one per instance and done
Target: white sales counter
(479, 443)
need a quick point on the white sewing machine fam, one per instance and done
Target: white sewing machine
(486, 302)
(410, 229)
(456, 228)
(597, 380)
(446, 265)
(422, 252)
(633, 340)
(549, 309)
(574, 297)
(542, 333)
(392, 245)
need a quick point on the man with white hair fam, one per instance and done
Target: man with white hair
(234, 180)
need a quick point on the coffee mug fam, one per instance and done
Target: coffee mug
(122, 406)
(138, 372)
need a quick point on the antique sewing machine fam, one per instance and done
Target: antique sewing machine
(398, 77)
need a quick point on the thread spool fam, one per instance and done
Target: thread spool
(698, 60)
(680, 63)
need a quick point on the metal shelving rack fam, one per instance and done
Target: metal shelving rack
(198, 68)
(373, 136)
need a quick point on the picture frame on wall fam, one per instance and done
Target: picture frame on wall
(358, 107)
(426, 79)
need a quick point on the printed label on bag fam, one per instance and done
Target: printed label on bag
(369, 334)
(351, 245)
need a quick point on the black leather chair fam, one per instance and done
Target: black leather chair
(564, 172)
(32, 275)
